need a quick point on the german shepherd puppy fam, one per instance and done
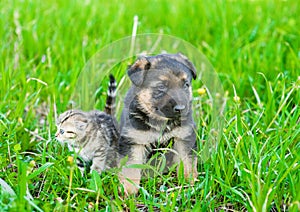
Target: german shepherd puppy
(157, 109)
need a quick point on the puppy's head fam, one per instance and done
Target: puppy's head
(163, 85)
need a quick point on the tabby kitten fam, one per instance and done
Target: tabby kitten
(92, 135)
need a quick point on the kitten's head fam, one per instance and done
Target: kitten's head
(71, 127)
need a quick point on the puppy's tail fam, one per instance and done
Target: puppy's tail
(111, 96)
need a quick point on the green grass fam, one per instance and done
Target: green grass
(253, 45)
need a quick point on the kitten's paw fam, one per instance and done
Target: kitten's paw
(98, 169)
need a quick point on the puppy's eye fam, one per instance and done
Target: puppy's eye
(161, 87)
(186, 85)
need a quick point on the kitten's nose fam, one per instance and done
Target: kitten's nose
(178, 108)
(57, 134)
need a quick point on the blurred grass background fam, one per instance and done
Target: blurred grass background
(253, 45)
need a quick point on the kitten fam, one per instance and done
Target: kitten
(92, 135)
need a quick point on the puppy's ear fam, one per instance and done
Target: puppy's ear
(189, 64)
(137, 71)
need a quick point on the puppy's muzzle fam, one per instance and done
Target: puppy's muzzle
(178, 108)
(173, 109)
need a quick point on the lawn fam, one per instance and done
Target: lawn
(254, 47)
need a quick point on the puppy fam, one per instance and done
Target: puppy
(157, 109)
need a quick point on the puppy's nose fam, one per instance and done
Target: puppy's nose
(178, 108)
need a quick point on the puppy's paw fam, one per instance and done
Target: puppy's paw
(130, 186)
(191, 175)
(190, 171)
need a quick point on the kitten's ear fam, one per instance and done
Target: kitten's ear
(81, 125)
(138, 70)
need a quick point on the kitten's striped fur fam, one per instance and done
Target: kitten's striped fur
(92, 135)
(111, 96)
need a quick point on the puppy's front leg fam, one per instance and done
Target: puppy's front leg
(184, 148)
(130, 177)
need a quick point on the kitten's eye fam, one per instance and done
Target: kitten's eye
(70, 134)
(61, 131)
